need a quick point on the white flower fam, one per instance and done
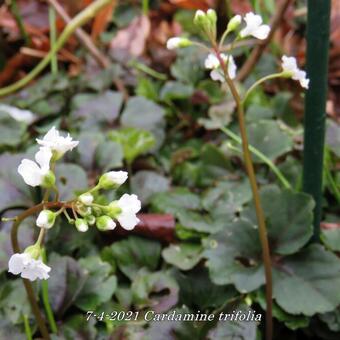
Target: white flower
(105, 223)
(81, 225)
(19, 115)
(212, 62)
(177, 42)
(58, 144)
(129, 205)
(113, 179)
(86, 198)
(289, 65)
(254, 27)
(46, 219)
(34, 174)
(28, 267)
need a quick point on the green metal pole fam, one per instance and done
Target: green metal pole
(318, 22)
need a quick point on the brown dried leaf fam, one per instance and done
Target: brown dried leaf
(130, 41)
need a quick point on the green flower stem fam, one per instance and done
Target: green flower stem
(16, 249)
(45, 298)
(145, 7)
(260, 81)
(18, 18)
(256, 197)
(53, 38)
(28, 330)
(79, 20)
(148, 70)
(260, 155)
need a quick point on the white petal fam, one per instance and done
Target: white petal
(17, 262)
(43, 158)
(253, 20)
(262, 32)
(217, 75)
(211, 62)
(129, 203)
(117, 177)
(30, 172)
(128, 221)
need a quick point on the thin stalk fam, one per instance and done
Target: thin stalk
(53, 38)
(16, 249)
(46, 301)
(145, 7)
(16, 13)
(79, 20)
(260, 155)
(256, 197)
(260, 81)
(28, 330)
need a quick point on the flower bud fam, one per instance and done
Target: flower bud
(81, 225)
(234, 23)
(113, 210)
(112, 179)
(48, 180)
(105, 223)
(177, 42)
(34, 251)
(86, 198)
(199, 19)
(46, 219)
(90, 219)
(206, 22)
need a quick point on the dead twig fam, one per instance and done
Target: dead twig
(258, 50)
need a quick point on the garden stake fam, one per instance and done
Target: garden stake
(315, 103)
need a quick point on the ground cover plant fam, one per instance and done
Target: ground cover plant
(151, 174)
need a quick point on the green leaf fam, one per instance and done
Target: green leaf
(230, 330)
(293, 322)
(227, 198)
(199, 293)
(134, 253)
(77, 327)
(174, 90)
(11, 183)
(331, 238)
(14, 302)
(133, 141)
(184, 256)
(70, 178)
(157, 290)
(147, 183)
(96, 108)
(11, 131)
(234, 256)
(308, 282)
(188, 66)
(88, 143)
(269, 138)
(289, 217)
(66, 281)
(100, 285)
(109, 155)
(143, 114)
(178, 199)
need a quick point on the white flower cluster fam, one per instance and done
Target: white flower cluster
(85, 209)
(254, 27)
